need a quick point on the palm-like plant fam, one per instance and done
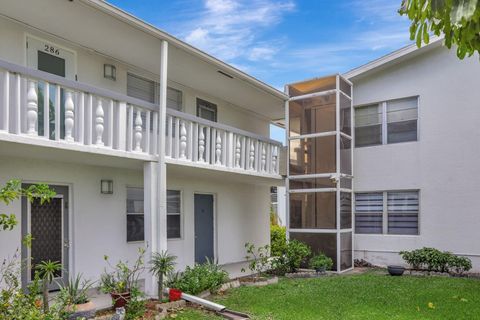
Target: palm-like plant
(46, 271)
(161, 264)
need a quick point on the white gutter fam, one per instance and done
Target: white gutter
(154, 31)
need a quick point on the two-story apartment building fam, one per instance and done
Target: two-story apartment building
(415, 118)
(148, 142)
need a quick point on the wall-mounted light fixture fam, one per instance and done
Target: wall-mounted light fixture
(106, 186)
(109, 72)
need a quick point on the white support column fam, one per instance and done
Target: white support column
(150, 185)
(162, 169)
(6, 101)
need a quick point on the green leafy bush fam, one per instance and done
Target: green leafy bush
(294, 255)
(431, 259)
(321, 261)
(257, 259)
(278, 240)
(199, 278)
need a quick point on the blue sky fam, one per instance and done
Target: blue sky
(281, 41)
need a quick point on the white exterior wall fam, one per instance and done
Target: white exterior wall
(89, 69)
(97, 221)
(241, 214)
(442, 164)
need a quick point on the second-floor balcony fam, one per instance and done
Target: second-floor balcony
(38, 108)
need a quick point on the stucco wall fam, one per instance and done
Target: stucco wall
(99, 221)
(442, 164)
(89, 66)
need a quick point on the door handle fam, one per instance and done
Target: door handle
(66, 244)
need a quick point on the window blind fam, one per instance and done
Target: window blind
(369, 212)
(403, 212)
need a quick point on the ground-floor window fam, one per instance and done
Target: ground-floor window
(135, 214)
(174, 214)
(387, 212)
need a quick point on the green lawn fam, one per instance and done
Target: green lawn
(372, 295)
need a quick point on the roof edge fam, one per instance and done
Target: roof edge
(129, 18)
(389, 58)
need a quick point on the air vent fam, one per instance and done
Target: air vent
(225, 74)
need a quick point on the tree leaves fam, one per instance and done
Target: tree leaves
(457, 20)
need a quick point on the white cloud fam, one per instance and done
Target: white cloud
(231, 29)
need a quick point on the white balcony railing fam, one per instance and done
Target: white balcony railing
(195, 140)
(44, 109)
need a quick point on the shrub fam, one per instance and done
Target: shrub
(257, 259)
(320, 261)
(431, 259)
(196, 279)
(294, 255)
(75, 291)
(278, 240)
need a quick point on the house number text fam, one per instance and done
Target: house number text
(51, 49)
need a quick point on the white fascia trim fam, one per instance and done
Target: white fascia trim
(435, 41)
(150, 29)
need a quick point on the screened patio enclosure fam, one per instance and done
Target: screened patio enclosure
(319, 126)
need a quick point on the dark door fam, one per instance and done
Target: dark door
(204, 231)
(48, 225)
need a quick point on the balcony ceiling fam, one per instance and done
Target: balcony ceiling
(128, 40)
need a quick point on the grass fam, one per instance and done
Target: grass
(372, 295)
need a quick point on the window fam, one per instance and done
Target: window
(174, 214)
(389, 212)
(135, 215)
(368, 212)
(149, 90)
(206, 110)
(403, 212)
(386, 122)
(368, 126)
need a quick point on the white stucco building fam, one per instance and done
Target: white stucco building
(150, 142)
(414, 117)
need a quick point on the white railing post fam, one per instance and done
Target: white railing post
(218, 149)
(121, 129)
(69, 116)
(238, 149)
(201, 145)
(32, 108)
(251, 158)
(264, 158)
(6, 101)
(274, 159)
(138, 131)
(81, 118)
(99, 114)
(183, 140)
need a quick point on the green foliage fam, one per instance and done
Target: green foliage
(46, 271)
(278, 240)
(257, 258)
(458, 20)
(136, 306)
(196, 279)
(122, 278)
(76, 291)
(161, 264)
(320, 261)
(13, 190)
(295, 254)
(431, 259)
(15, 303)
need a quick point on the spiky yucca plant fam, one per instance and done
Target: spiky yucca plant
(161, 264)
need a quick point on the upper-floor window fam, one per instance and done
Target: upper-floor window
(386, 122)
(148, 90)
(206, 110)
(388, 212)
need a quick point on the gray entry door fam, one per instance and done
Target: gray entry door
(48, 225)
(204, 231)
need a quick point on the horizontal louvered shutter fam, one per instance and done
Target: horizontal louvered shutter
(369, 212)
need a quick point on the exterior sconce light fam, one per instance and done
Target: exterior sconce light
(110, 72)
(106, 186)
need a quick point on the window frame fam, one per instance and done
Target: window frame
(175, 214)
(384, 124)
(205, 104)
(385, 213)
(134, 213)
